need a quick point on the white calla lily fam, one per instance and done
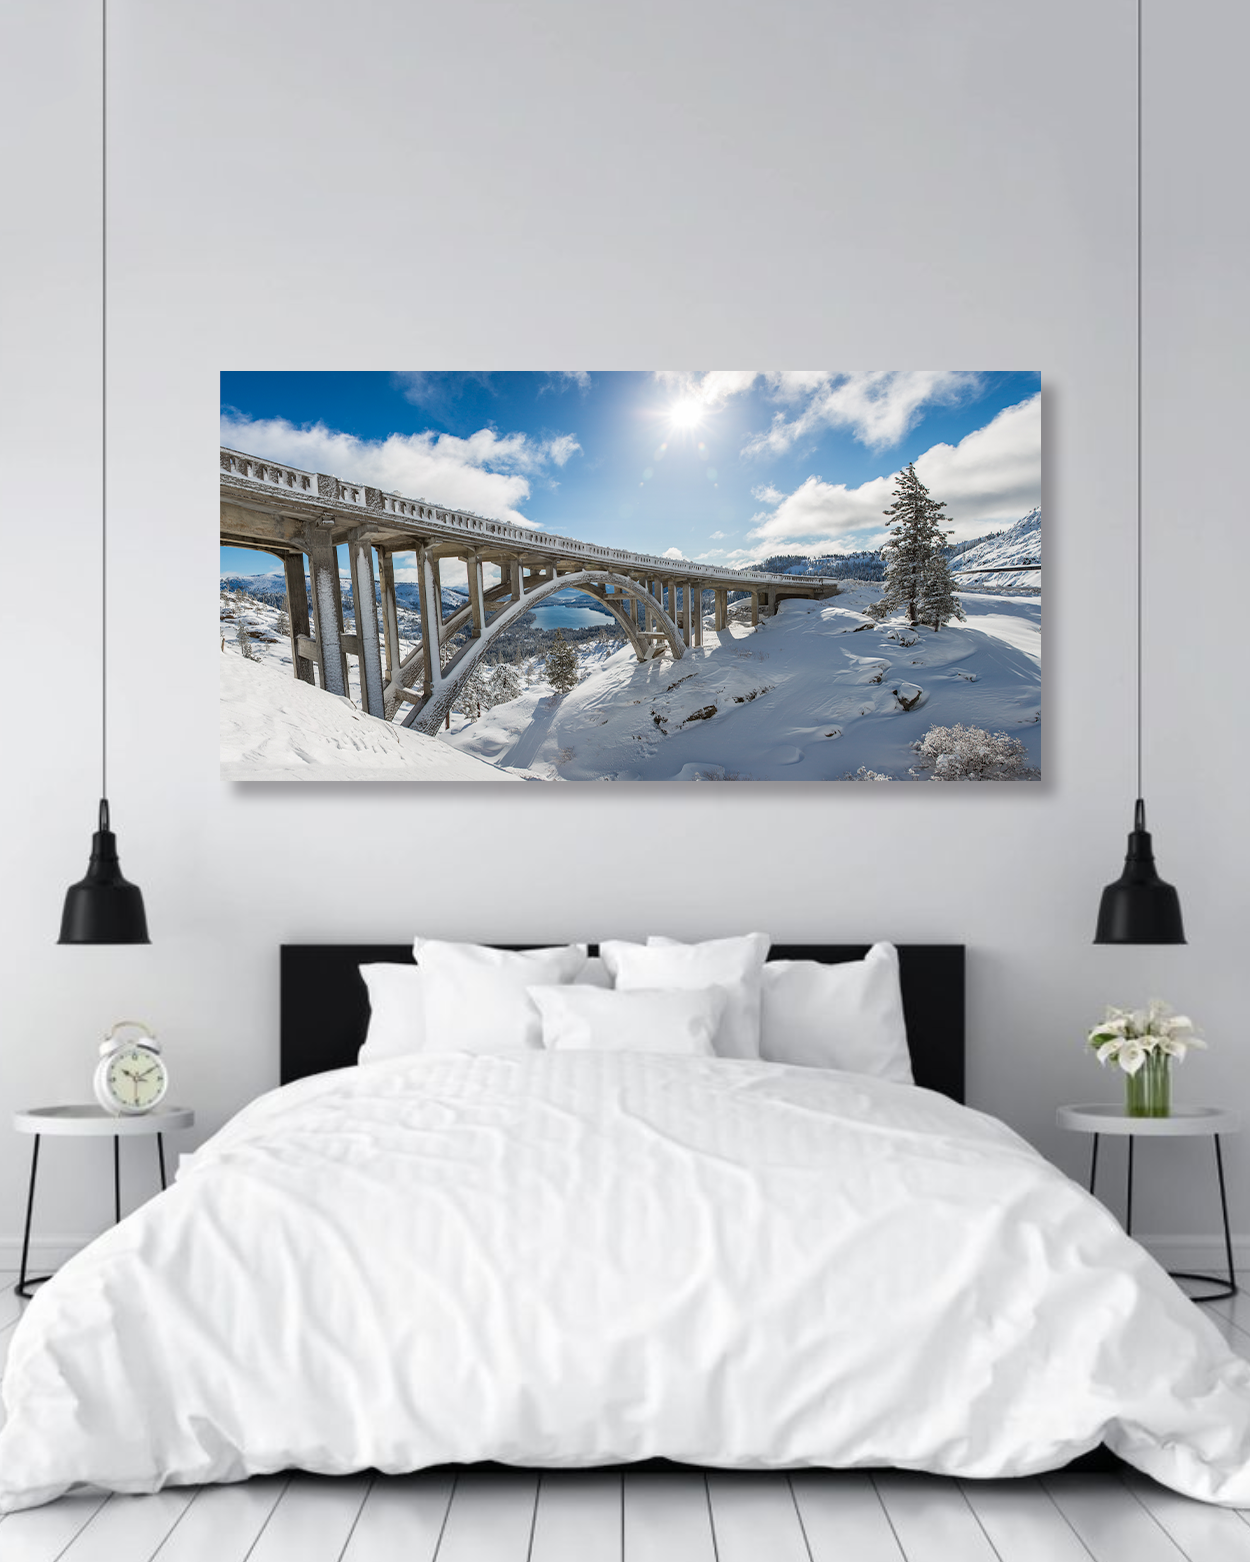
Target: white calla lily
(1132, 1056)
(1134, 1037)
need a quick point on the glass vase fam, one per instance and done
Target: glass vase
(1148, 1093)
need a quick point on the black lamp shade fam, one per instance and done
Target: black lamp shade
(104, 908)
(1139, 908)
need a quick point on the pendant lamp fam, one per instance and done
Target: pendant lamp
(103, 908)
(1139, 908)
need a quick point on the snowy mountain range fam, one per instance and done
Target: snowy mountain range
(407, 593)
(1020, 544)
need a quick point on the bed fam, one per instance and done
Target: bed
(581, 1258)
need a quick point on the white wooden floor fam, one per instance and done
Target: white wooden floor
(809, 1516)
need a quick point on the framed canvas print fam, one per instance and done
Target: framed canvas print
(703, 575)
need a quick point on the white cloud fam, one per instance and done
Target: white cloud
(561, 448)
(715, 536)
(990, 478)
(672, 553)
(487, 472)
(878, 406)
(713, 388)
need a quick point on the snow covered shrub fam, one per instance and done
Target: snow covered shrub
(864, 774)
(962, 753)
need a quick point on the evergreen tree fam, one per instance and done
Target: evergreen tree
(939, 601)
(504, 685)
(561, 665)
(473, 696)
(246, 649)
(916, 539)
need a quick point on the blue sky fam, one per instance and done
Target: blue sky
(727, 466)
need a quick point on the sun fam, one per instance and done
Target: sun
(686, 413)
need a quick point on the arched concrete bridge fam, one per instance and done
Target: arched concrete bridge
(291, 513)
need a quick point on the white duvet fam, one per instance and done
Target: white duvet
(583, 1258)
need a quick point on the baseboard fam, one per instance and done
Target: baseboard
(1200, 1253)
(48, 1252)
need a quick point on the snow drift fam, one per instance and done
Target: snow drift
(275, 728)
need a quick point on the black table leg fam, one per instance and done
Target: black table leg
(1093, 1165)
(1128, 1206)
(24, 1280)
(1228, 1240)
(117, 1179)
(1221, 1289)
(160, 1153)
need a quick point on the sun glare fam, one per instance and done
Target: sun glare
(686, 413)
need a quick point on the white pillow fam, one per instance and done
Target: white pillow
(396, 1011)
(731, 963)
(847, 1016)
(474, 998)
(595, 1019)
(397, 1007)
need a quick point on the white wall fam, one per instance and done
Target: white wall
(554, 184)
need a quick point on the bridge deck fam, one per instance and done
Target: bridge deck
(266, 504)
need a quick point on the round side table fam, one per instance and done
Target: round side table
(1184, 1122)
(94, 1122)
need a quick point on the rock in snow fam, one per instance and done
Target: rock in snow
(274, 728)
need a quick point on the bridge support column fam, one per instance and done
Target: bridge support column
(722, 608)
(372, 698)
(477, 618)
(755, 607)
(297, 614)
(431, 619)
(390, 611)
(323, 566)
(687, 613)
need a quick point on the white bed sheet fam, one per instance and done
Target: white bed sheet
(582, 1258)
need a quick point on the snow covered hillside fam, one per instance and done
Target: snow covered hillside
(1019, 544)
(275, 728)
(811, 695)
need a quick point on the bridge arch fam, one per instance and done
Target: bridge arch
(430, 714)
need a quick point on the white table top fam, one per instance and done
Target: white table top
(90, 1119)
(1100, 1117)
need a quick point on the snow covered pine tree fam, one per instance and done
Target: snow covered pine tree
(916, 573)
(939, 601)
(561, 665)
(505, 684)
(474, 693)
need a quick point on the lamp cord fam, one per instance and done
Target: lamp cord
(104, 317)
(1139, 398)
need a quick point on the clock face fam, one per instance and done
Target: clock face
(136, 1079)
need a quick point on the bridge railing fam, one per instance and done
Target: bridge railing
(323, 488)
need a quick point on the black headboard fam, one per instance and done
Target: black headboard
(325, 1006)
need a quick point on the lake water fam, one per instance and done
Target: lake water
(560, 615)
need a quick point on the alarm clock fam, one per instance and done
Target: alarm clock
(131, 1077)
